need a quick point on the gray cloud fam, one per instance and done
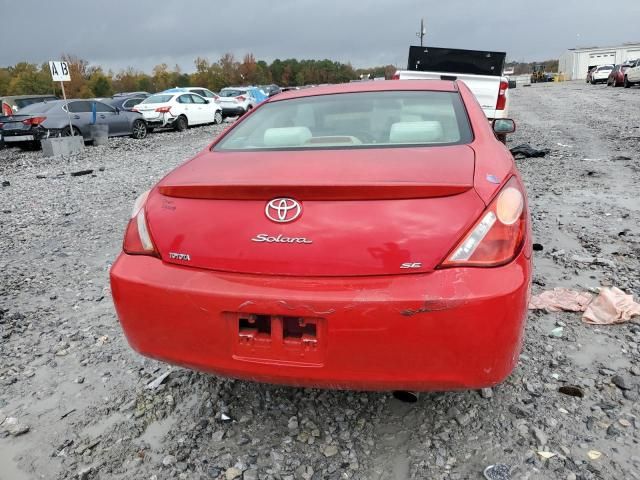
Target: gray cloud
(142, 33)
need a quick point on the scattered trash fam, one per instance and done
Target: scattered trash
(526, 151)
(225, 418)
(498, 471)
(547, 455)
(621, 158)
(625, 423)
(560, 299)
(6, 183)
(565, 146)
(65, 415)
(594, 454)
(537, 247)
(158, 381)
(13, 427)
(611, 306)
(81, 172)
(572, 391)
(556, 332)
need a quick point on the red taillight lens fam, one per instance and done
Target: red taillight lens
(34, 121)
(498, 236)
(163, 109)
(241, 98)
(137, 239)
(396, 76)
(502, 95)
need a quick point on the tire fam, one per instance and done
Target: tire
(139, 129)
(181, 123)
(217, 118)
(66, 132)
(626, 82)
(149, 129)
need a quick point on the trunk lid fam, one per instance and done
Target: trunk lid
(363, 212)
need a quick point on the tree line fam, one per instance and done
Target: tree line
(89, 81)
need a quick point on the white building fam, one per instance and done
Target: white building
(576, 62)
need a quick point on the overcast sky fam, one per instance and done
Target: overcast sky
(143, 33)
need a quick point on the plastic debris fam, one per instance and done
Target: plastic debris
(611, 306)
(527, 151)
(158, 381)
(560, 299)
(594, 454)
(547, 455)
(499, 471)
(224, 417)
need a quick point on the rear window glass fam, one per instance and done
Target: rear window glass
(158, 99)
(231, 93)
(24, 102)
(354, 120)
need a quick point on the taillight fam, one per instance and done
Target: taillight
(33, 121)
(137, 239)
(395, 76)
(241, 98)
(163, 109)
(498, 236)
(502, 95)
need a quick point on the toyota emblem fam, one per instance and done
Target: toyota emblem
(283, 210)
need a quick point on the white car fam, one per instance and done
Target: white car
(236, 101)
(203, 92)
(601, 74)
(632, 75)
(179, 110)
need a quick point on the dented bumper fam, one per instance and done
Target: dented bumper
(450, 329)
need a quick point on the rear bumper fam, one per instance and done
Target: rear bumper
(450, 329)
(232, 111)
(28, 136)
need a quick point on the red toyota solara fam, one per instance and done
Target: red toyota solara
(367, 236)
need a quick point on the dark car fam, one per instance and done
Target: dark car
(616, 77)
(43, 120)
(126, 102)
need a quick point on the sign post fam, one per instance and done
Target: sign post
(60, 73)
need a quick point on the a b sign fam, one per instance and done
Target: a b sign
(60, 71)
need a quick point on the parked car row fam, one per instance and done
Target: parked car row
(26, 120)
(624, 74)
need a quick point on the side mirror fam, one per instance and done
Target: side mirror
(504, 126)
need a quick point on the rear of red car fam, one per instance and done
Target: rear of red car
(364, 237)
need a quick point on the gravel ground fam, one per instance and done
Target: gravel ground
(76, 394)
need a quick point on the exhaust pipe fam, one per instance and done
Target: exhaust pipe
(405, 396)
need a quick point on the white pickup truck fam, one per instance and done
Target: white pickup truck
(481, 71)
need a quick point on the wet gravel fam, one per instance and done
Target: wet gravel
(75, 402)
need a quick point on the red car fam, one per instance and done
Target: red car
(616, 77)
(368, 236)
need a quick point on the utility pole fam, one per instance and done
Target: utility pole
(422, 32)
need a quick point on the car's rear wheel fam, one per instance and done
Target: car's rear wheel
(66, 132)
(181, 123)
(217, 118)
(139, 129)
(626, 82)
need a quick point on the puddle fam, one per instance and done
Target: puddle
(94, 431)
(8, 466)
(599, 348)
(157, 431)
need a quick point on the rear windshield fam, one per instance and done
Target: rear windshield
(24, 102)
(157, 99)
(231, 93)
(354, 120)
